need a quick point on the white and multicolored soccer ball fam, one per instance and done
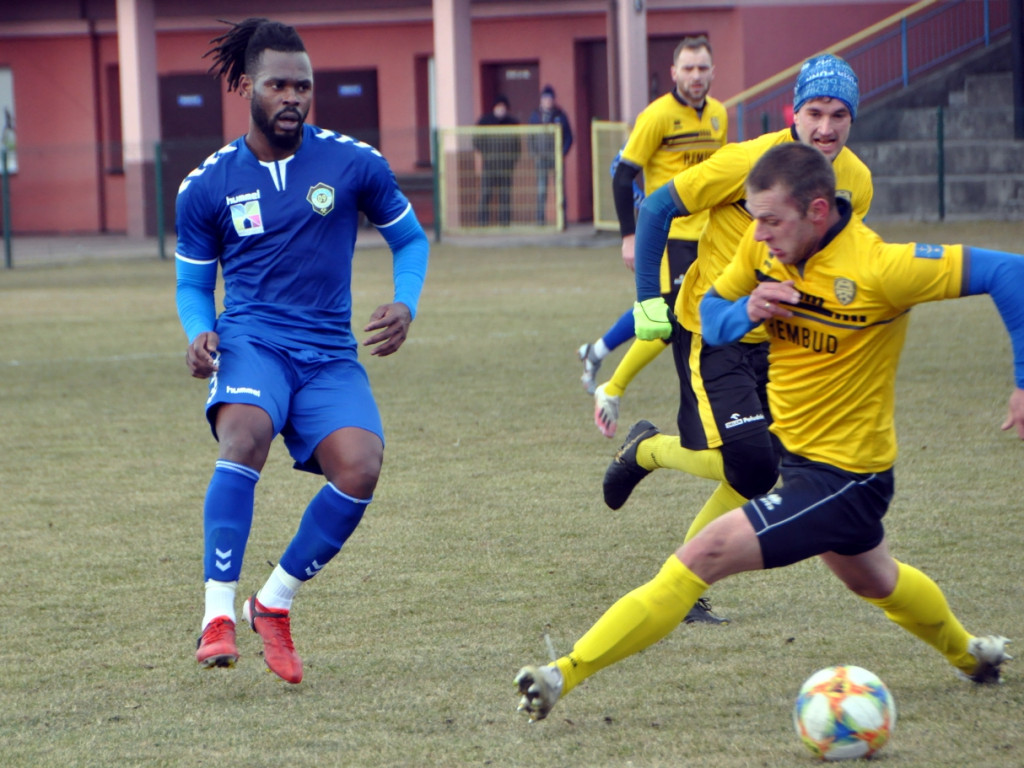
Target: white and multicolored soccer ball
(844, 712)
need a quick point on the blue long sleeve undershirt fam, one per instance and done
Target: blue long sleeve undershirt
(197, 309)
(1001, 275)
(723, 321)
(410, 249)
(652, 228)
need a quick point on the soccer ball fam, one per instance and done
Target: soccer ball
(844, 712)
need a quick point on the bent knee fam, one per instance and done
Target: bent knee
(356, 477)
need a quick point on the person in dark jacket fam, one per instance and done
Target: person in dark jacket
(499, 152)
(543, 147)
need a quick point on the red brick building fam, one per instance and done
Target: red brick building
(94, 87)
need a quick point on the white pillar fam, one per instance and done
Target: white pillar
(140, 110)
(453, 63)
(631, 18)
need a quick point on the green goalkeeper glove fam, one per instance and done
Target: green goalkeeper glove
(650, 319)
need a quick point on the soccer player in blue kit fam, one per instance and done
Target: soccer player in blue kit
(278, 210)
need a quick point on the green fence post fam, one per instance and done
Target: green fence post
(158, 173)
(940, 142)
(437, 186)
(6, 192)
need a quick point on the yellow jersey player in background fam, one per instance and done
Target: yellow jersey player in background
(675, 132)
(723, 415)
(834, 300)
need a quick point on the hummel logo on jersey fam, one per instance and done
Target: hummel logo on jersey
(321, 197)
(243, 198)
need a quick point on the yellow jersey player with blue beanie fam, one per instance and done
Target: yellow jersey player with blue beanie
(723, 418)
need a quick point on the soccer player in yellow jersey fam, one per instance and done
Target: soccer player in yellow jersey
(723, 415)
(675, 132)
(833, 298)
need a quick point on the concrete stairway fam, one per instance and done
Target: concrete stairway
(984, 165)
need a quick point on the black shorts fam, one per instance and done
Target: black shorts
(722, 390)
(819, 508)
(681, 254)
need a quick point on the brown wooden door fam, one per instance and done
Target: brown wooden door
(192, 127)
(346, 102)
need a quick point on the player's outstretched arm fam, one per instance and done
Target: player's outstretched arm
(652, 228)
(1000, 275)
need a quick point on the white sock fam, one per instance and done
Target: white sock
(600, 349)
(220, 600)
(279, 591)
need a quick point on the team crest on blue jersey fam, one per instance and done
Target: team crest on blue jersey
(321, 197)
(925, 251)
(247, 218)
(846, 290)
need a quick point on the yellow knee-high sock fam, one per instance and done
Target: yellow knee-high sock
(639, 354)
(636, 621)
(918, 605)
(724, 499)
(665, 452)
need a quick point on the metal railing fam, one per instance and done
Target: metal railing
(886, 56)
(499, 179)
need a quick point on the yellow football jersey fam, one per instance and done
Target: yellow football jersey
(832, 366)
(719, 187)
(669, 137)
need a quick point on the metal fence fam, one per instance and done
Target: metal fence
(606, 139)
(886, 56)
(500, 179)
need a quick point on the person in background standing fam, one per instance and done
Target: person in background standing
(543, 147)
(499, 153)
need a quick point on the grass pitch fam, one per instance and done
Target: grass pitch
(487, 530)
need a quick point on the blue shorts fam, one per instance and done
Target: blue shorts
(307, 394)
(819, 508)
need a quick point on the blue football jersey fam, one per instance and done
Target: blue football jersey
(284, 233)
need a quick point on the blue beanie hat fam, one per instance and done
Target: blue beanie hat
(827, 76)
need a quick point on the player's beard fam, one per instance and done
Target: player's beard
(285, 141)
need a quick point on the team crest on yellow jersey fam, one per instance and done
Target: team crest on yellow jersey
(321, 197)
(846, 290)
(715, 123)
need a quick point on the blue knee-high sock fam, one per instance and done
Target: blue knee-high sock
(326, 524)
(621, 331)
(227, 519)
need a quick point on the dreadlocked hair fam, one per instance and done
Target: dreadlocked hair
(238, 50)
